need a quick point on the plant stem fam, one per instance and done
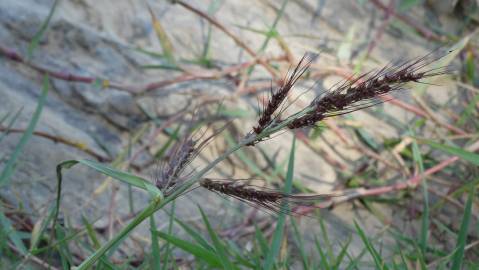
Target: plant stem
(148, 211)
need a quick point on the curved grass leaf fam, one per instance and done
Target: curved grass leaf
(7, 228)
(278, 233)
(10, 166)
(38, 35)
(117, 174)
(219, 248)
(376, 256)
(114, 173)
(10, 123)
(462, 236)
(463, 154)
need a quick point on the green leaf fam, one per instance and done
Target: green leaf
(278, 233)
(342, 253)
(12, 234)
(300, 244)
(170, 231)
(38, 232)
(119, 175)
(10, 124)
(198, 238)
(376, 256)
(425, 215)
(405, 5)
(38, 35)
(466, 155)
(219, 248)
(199, 252)
(462, 236)
(91, 233)
(114, 173)
(155, 247)
(323, 259)
(10, 166)
(163, 38)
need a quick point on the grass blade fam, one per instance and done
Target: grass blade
(10, 124)
(162, 37)
(155, 247)
(466, 155)
(116, 174)
(205, 255)
(38, 35)
(462, 236)
(198, 238)
(220, 249)
(12, 234)
(425, 214)
(10, 166)
(278, 233)
(376, 256)
(170, 231)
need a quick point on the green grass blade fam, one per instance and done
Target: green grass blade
(10, 124)
(212, 9)
(323, 259)
(272, 32)
(462, 236)
(219, 248)
(119, 175)
(261, 240)
(10, 166)
(466, 155)
(278, 233)
(205, 255)
(12, 234)
(91, 233)
(5, 117)
(38, 35)
(300, 244)
(155, 246)
(342, 253)
(329, 246)
(63, 249)
(116, 174)
(425, 214)
(194, 234)
(38, 231)
(378, 261)
(170, 231)
(163, 38)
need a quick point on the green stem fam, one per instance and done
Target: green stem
(148, 211)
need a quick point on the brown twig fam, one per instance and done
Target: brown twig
(14, 56)
(58, 139)
(412, 182)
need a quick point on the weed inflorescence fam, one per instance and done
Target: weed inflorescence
(351, 95)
